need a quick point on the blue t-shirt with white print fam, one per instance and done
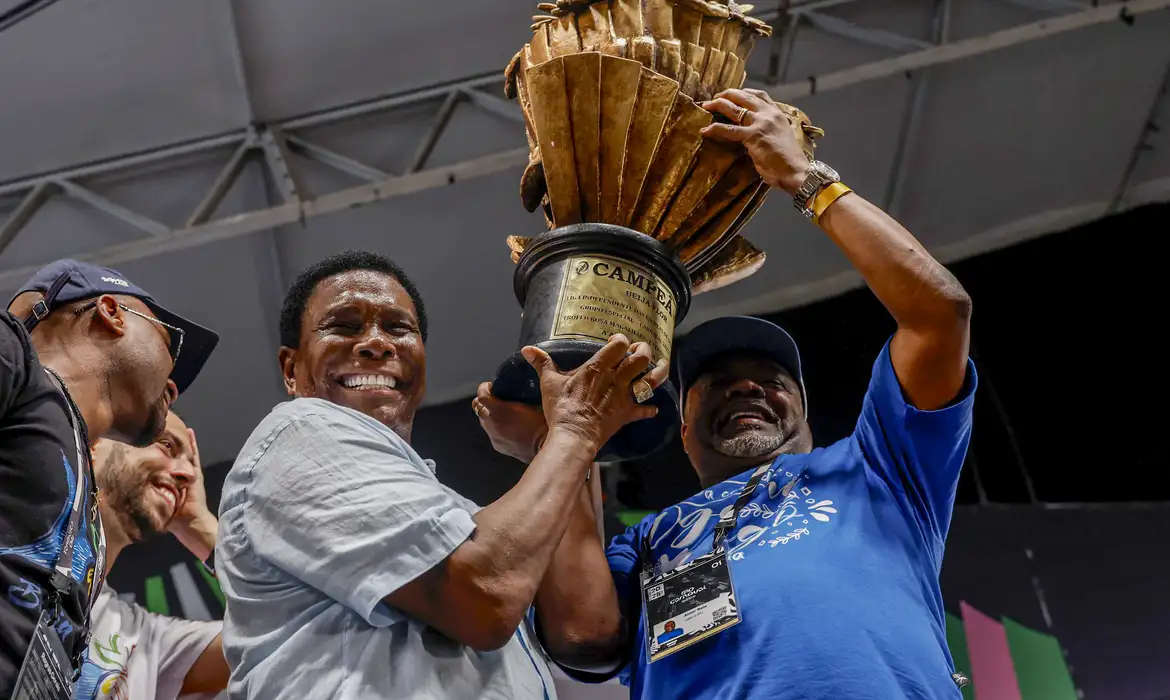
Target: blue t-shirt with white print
(835, 562)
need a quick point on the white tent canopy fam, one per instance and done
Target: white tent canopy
(211, 150)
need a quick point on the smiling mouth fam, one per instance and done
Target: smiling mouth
(742, 416)
(747, 418)
(169, 495)
(369, 382)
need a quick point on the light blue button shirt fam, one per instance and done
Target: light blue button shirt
(326, 512)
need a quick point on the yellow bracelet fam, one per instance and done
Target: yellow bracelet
(826, 197)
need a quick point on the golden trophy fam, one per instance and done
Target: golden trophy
(642, 211)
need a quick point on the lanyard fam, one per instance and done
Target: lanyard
(62, 570)
(727, 524)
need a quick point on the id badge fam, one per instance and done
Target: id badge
(687, 605)
(46, 673)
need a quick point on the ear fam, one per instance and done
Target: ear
(682, 437)
(110, 315)
(288, 361)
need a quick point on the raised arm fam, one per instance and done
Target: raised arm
(482, 591)
(933, 312)
(578, 610)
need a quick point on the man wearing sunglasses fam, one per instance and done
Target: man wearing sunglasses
(84, 354)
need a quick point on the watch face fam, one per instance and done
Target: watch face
(827, 172)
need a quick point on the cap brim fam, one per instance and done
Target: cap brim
(741, 333)
(198, 343)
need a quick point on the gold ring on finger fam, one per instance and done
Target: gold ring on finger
(643, 392)
(739, 116)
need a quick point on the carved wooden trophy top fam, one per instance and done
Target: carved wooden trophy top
(610, 92)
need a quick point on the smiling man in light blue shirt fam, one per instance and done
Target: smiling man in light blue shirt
(349, 570)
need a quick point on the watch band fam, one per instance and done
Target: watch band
(819, 175)
(827, 196)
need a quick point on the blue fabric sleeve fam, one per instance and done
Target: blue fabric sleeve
(345, 510)
(918, 453)
(625, 563)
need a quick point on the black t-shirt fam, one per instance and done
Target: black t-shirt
(38, 455)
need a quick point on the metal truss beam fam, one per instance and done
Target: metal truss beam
(267, 258)
(290, 213)
(1149, 128)
(285, 179)
(23, 212)
(967, 48)
(844, 28)
(816, 5)
(423, 153)
(122, 163)
(278, 181)
(235, 138)
(223, 182)
(782, 44)
(345, 164)
(231, 172)
(384, 104)
(790, 16)
(940, 31)
(200, 231)
(95, 200)
(496, 105)
(1050, 5)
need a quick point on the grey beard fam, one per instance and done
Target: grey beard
(749, 444)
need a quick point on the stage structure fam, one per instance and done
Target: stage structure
(272, 141)
(232, 144)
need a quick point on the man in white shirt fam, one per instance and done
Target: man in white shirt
(349, 570)
(135, 654)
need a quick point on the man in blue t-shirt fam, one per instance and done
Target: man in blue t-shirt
(834, 555)
(669, 632)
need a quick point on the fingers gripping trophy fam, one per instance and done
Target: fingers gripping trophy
(643, 212)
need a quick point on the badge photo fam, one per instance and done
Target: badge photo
(689, 604)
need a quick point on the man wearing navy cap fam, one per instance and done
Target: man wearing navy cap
(84, 354)
(796, 572)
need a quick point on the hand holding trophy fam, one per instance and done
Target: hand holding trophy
(643, 211)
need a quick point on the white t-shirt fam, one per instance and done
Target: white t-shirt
(138, 655)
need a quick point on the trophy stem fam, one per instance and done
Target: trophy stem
(581, 284)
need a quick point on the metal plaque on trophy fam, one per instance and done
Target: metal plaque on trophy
(643, 212)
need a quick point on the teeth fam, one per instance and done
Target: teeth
(166, 494)
(368, 381)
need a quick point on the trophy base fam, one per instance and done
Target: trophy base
(579, 285)
(516, 381)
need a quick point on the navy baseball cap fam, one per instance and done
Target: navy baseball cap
(744, 333)
(66, 281)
